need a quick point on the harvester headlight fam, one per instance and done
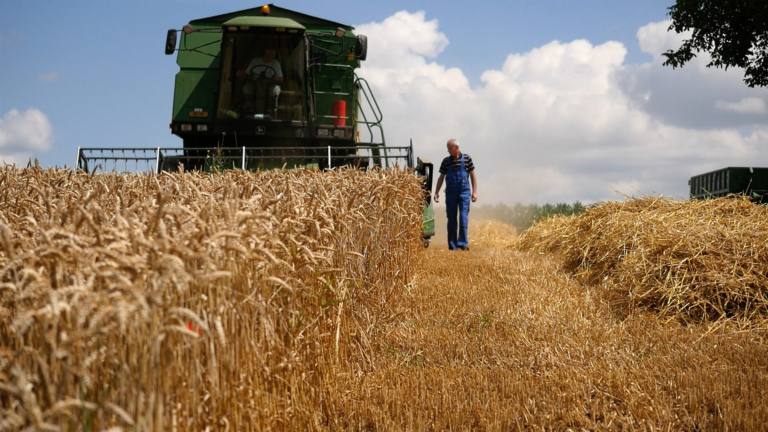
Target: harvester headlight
(186, 128)
(202, 128)
(322, 132)
(280, 29)
(187, 29)
(340, 32)
(244, 27)
(339, 133)
(293, 31)
(232, 28)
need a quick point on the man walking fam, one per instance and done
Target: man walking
(456, 170)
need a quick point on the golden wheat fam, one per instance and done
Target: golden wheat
(303, 301)
(191, 301)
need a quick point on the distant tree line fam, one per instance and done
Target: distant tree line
(522, 216)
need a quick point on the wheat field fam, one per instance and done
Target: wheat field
(303, 300)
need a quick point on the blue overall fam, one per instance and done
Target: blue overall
(457, 197)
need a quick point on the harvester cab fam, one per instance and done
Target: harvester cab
(268, 88)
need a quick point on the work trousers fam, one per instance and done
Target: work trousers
(457, 196)
(457, 204)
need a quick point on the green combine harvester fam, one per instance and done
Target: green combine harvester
(269, 88)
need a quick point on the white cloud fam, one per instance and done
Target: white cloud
(565, 121)
(48, 77)
(24, 133)
(654, 39)
(405, 34)
(687, 97)
(20, 160)
(751, 105)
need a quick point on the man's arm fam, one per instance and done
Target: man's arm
(439, 185)
(474, 185)
(242, 73)
(278, 73)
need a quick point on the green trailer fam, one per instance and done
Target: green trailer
(748, 181)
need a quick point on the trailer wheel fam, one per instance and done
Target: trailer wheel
(426, 242)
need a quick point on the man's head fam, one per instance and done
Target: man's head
(269, 53)
(453, 148)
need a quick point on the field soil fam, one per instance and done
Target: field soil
(496, 339)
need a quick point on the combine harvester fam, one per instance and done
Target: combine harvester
(269, 88)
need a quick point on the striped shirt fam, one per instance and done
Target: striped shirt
(468, 164)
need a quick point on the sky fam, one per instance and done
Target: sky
(555, 100)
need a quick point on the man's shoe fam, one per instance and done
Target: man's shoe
(464, 248)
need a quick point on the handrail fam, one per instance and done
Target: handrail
(156, 158)
(366, 92)
(364, 88)
(373, 104)
(154, 149)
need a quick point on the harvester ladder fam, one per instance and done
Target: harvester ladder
(371, 104)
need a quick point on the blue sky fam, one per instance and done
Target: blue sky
(96, 71)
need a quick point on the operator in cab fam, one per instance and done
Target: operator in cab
(457, 169)
(264, 79)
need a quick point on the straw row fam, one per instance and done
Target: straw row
(698, 260)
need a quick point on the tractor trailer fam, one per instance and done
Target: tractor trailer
(748, 181)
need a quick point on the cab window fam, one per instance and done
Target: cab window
(262, 76)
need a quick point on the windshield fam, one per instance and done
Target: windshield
(262, 76)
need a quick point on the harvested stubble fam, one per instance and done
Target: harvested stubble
(693, 260)
(500, 340)
(191, 301)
